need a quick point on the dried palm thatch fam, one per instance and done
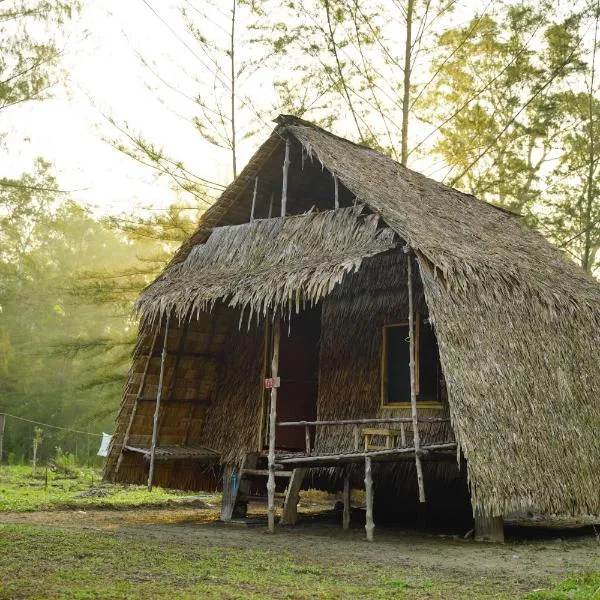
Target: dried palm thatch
(268, 263)
(518, 325)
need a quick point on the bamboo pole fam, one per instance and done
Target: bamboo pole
(137, 400)
(273, 425)
(413, 381)
(2, 421)
(369, 524)
(253, 199)
(157, 409)
(337, 192)
(346, 498)
(271, 205)
(286, 166)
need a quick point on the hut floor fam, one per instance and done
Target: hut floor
(431, 451)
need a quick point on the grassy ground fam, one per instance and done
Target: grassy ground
(54, 544)
(80, 487)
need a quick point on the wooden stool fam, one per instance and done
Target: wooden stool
(391, 437)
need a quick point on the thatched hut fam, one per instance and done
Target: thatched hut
(388, 321)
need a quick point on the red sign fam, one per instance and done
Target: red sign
(272, 382)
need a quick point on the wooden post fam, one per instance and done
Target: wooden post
(253, 200)
(369, 525)
(488, 529)
(2, 421)
(271, 205)
(286, 165)
(356, 438)
(35, 447)
(157, 409)
(289, 515)
(139, 394)
(413, 380)
(336, 202)
(273, 424)
(346, 496)
(230, 485)
(307, 439)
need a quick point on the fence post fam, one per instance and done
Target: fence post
(2, 421)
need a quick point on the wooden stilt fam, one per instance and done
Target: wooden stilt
(253, 199)
(139, 395)
(272, 424)
(369, 525)
(271, 205)
(289, 515)
(157, 409)
(346, 496)
(286, 166)
(488, 529)
(230, 485)
(336, 202)
(413, 381)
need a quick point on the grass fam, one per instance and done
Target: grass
(21, 491)
(584, 586)
(42, 563)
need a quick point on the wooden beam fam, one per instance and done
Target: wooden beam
(336, 202)
(230, 488)
(362, 421)
(157, 409)
(284, 187)
(254, 199)
(273, 423)
(369, 524)
(346, 497)
(413, 379)
(289, 514)
(488, 529)
(137, 398)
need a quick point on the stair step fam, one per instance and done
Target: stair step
(265, 473)
(279, 498)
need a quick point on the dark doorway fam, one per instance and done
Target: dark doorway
(299, 372)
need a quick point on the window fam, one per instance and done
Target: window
(395, 384)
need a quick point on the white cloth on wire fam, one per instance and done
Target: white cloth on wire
(103, 451)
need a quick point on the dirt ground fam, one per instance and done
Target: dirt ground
(520, 564)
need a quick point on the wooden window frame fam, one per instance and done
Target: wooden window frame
(385, 403)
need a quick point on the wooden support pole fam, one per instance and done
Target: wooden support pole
(230, 485)
(138, 396)
(369, 525)
(271, 205)
(356, 432)
(286, 166)
(273, 424)
(413, 379)
(253, 199)
(307, 439)
(2, 422)
(346, 496)
(488, 529)
(336, 202)
(157, 409)
(289, 514)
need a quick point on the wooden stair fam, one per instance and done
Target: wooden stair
(248, 484)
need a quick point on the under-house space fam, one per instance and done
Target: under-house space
(332, 323)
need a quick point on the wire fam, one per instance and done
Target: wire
(52, 426)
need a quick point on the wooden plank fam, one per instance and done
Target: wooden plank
(369, 524)
(157, 410)
(137, 399)
(488, 529)
(346, 497)
(289, 515)
(413, 380)
(273, 421)
(265, 472)
(254, 199)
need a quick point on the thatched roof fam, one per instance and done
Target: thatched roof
(268, 263)
(518, 324)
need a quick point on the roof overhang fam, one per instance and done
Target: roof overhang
(279, 263)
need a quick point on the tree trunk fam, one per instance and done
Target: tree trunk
(410, 7)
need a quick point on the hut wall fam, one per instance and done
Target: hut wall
(195, 349)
